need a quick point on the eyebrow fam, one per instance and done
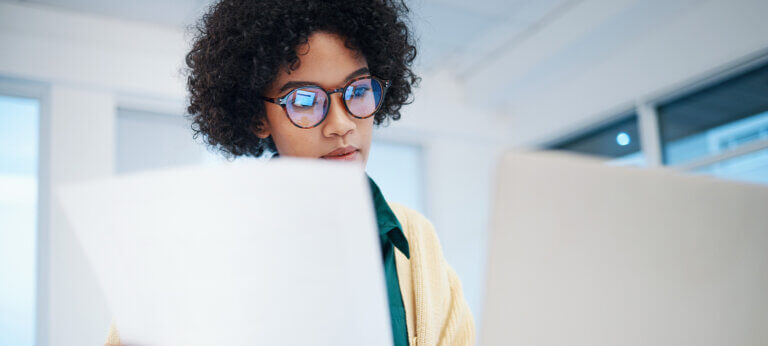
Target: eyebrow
(295, 84)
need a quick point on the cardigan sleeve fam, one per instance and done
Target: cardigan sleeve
(113, 338)
(460, 326)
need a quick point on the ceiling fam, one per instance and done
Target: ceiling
(448, 31)
(462, 33)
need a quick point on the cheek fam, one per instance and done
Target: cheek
(365, 128)
(291, 140)
(281, 135)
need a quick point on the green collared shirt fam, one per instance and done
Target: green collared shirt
(391, 236)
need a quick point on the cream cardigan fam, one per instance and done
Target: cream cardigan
(435, 310)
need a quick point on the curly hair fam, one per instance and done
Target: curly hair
(241, 45)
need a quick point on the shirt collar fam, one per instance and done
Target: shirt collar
(389, 227)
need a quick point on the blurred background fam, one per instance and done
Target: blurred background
(92, 89)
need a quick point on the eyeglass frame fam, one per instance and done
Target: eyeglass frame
(283, 100)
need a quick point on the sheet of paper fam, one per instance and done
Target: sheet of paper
(279, 253)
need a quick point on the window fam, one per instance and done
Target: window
(19, 133)
(618, 141)
(716, 119)
(721, 130)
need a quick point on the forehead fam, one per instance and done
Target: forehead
(324, 60)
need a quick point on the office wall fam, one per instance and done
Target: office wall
(77, 312)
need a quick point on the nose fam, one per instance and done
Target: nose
(337, 122)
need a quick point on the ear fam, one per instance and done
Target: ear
(264, 131)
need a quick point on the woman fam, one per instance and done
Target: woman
(311, 79)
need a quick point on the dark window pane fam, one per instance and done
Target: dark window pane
(615, 140)
(717, 118)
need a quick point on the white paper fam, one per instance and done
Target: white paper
(278, 253)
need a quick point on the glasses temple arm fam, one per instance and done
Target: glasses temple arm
(277, 101)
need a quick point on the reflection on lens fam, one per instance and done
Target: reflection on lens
(363, 97)
(306, 106)
(304, 98)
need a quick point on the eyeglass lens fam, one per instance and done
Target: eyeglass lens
(307, 106)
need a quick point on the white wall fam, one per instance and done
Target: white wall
(106, 54)
(93, 65)
(81, 147)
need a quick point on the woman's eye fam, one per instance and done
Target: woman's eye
(356, 92)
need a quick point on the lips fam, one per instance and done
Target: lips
(348, 153)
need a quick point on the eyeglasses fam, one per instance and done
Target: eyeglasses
(307, 106)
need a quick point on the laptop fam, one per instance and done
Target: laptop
(582, 253)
